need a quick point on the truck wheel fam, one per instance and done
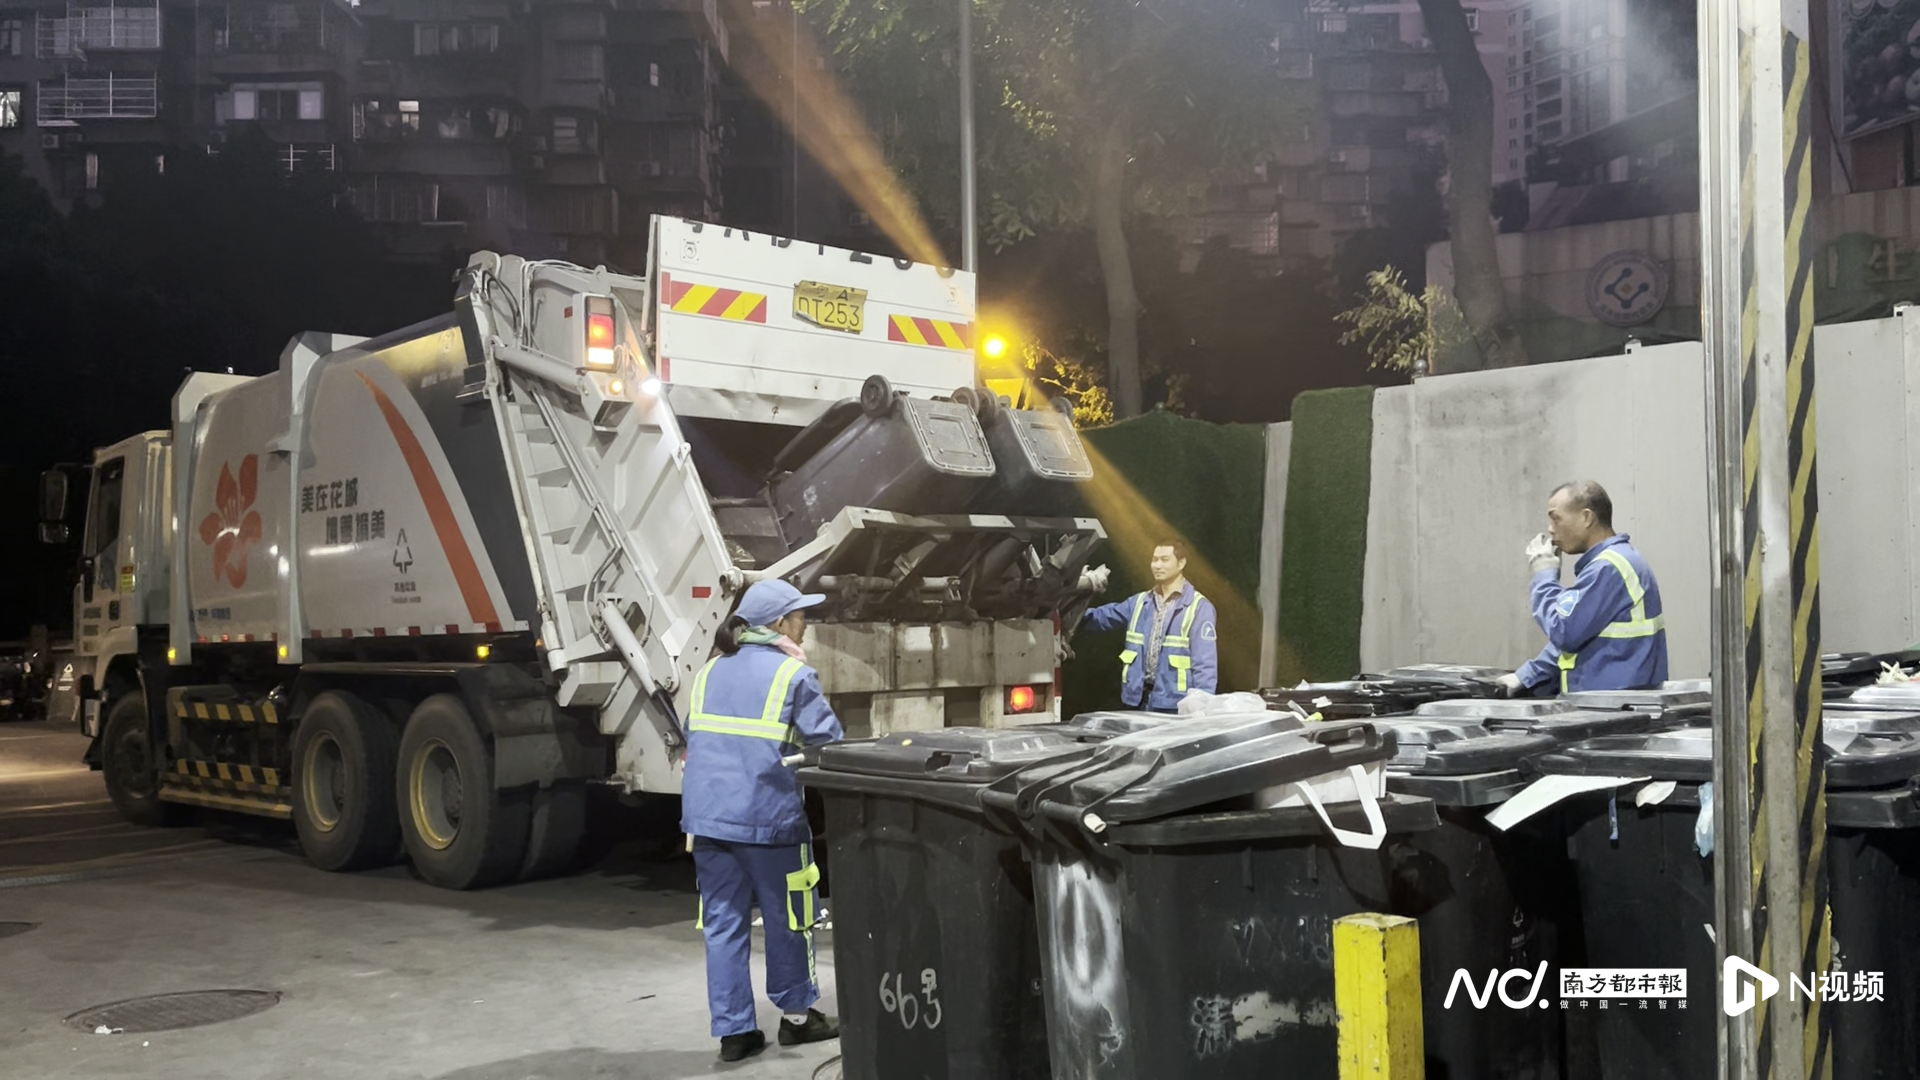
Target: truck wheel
(461, 832)
(130, 765)
(559, 826)
(343, 758)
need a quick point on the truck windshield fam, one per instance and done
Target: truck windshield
(103, 518)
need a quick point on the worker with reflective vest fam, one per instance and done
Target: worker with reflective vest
(752, 705)
(1607, 631)
(1172, 645)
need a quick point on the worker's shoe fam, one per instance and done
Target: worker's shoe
(742, 1047)
(818, 1028)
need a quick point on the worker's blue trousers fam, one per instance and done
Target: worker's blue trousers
(781, 879)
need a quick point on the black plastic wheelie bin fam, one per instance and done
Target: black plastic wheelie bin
(1647, 892)
(935, 948)
(1184, 931)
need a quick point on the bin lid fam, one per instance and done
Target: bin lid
(1705, 686)
(1107, 724)
(1432, 746)
(1451, 672)
(1495, 708)
(1052, 447)
(1864, 750)
(1898, 696)
(1662, 700)
(957, 755)
(1204, 761)
(1365, 696)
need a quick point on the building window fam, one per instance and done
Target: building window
(93, 171)
(579, 60)
(271, 103)
(1473, 19)
(1513, 144)
(573, 135)
(434, 39)
(1513, 82)
(1333, 24)
(9, 108)
(1512, 123)
(13, 37)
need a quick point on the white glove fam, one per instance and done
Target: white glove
(1541, 554)
(1095, 580)
(1510, 683)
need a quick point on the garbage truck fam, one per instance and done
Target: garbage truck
(418, 592)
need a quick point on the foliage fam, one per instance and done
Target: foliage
(1401, 330)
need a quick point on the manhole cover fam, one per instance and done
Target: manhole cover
(9, 929)
(169, 1012)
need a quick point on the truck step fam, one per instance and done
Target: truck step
(222, 785)
(220, 704)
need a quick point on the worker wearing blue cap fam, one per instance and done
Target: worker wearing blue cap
(754, 704)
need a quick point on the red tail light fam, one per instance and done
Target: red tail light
(1021, 699)
(600, 332)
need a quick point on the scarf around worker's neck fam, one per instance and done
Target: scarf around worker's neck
(761, 635)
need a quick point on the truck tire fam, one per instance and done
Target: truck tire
(129, 763)
(461, 832)
(559, 826)
(343, 756)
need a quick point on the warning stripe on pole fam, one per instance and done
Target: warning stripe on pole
(1803, 511)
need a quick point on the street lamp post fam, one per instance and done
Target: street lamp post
(969, 232)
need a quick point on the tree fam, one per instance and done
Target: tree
(1092, 110)
(1400, 330)
(1476, 266)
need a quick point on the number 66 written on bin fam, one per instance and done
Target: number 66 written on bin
(901, 1002)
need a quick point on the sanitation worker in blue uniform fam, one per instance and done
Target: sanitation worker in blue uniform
(1172, 646)
(752, 705)
(1606, 631)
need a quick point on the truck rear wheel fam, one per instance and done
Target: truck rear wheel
(559, 827)
(460, 831)
(130, 765)
(343, 759)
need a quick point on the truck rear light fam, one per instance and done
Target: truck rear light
(1022, 699)
(600, 332)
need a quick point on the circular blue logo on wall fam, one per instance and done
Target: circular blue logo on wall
(1627, 288)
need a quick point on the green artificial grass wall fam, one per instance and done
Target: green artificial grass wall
(1324, 553)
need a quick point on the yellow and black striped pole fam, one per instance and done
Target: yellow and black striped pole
(1757, 319)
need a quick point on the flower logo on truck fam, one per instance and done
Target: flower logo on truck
(234, 526)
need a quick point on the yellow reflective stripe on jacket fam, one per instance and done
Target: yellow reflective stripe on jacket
(1184, 639)
(1636, 625)
(1135, 638)
(768, 725)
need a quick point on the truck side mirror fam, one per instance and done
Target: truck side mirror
(53, 532)
(53, 500)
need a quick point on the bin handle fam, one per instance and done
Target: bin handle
(1376, 824)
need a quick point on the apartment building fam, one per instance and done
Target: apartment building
(550, 127)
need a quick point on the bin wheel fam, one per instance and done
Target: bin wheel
(1064, 406)
(990, 406)
(343, 758)
(876, 396)
(558, 829)
(461, 832)
(969, 397)
(129, 764)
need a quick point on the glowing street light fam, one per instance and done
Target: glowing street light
(994, 347)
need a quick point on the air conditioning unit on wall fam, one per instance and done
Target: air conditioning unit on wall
(49, 142)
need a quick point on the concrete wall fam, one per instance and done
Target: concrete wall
(1462, 466)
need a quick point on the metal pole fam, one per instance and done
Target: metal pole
(1757, 325)
(969, 230)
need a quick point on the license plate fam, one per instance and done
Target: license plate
(830, 307)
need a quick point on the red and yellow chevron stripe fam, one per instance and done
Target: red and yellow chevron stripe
(935, 332)
(687, 298)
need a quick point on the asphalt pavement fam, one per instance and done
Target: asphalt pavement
(372, 975)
